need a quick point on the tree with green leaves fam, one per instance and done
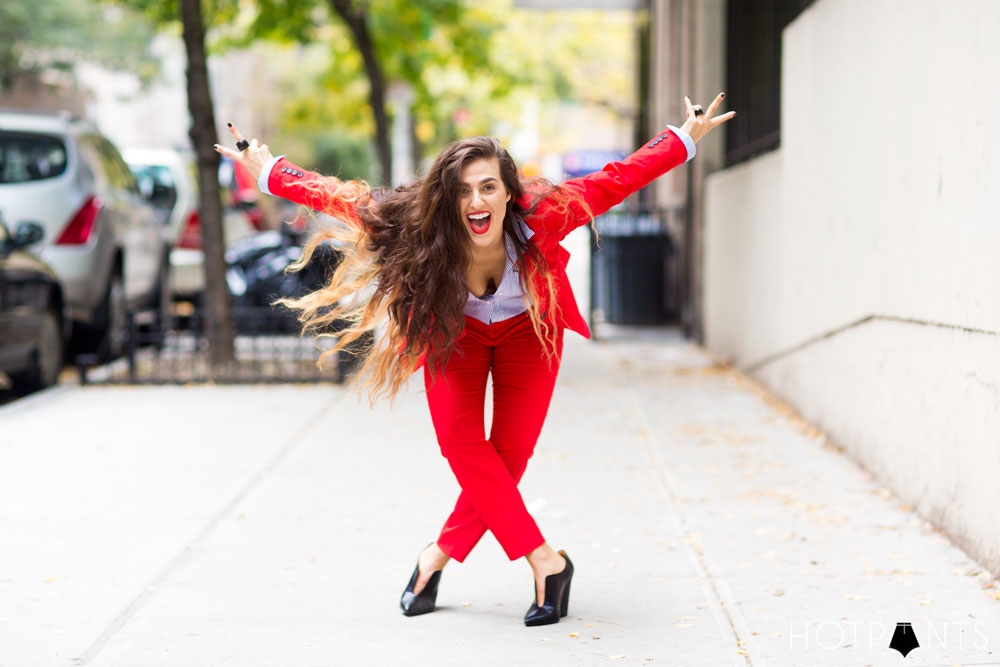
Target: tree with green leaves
(194, 17)
(470, 69)
(382, 41)
(216, 299)
(39, 35)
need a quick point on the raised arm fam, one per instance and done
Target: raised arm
(610, 186)
(281, 178)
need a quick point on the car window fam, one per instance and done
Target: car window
(114, 173)
(156, 183)
(30, 157)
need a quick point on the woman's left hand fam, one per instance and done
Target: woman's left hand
(699, 124)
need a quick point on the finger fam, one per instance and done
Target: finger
(237, 135)
(715, 104)
(688, 109)
(723, 118)
(227, 152)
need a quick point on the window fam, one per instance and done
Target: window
(107, 163)
(156, 183)
(30, 157)
(753, 73)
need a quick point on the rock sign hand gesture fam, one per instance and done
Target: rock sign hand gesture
(251, 154)
(698, 122)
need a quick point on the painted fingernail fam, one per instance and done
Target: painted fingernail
(722, 94)
(229, 124)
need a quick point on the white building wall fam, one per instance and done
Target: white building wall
(855, 270)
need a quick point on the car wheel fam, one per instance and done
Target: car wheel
(48, 357)
(108, 339)
(161, 302)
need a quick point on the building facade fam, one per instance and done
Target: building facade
(844, 231)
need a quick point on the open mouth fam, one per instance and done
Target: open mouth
(480, 222)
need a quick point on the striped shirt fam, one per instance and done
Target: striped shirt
(508, 300)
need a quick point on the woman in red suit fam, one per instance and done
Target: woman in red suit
(471, 282)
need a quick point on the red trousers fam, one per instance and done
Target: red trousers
(488, 470)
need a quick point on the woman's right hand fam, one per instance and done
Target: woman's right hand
(254, 157)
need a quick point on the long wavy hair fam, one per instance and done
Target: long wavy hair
(400, 286)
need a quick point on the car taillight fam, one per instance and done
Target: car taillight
(82, 224)
(191, 236)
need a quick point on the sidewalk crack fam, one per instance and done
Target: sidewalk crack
(713, 586)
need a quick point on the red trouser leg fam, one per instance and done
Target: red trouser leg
(488, 470)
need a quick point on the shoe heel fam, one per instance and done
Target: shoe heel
(564, 603)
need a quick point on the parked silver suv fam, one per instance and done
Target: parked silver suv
(104, 241)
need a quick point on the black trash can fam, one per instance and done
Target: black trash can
(629, 268)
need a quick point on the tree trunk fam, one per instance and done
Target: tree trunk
(353, 15)
(218, 322)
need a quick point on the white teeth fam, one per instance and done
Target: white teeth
(478, 216)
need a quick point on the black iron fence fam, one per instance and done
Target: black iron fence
(267, 349)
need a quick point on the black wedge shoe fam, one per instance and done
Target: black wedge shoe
(414, 604)
(556, 598)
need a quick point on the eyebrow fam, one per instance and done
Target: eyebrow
(487, 180)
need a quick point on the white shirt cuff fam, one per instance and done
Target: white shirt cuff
(265, 173)
(686, 138)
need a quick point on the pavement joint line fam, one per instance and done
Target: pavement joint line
(187, 551)
(724, 609)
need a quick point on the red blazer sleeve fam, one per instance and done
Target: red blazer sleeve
(608, 187)
(325, 194)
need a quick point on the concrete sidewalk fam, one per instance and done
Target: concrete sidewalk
(277, 526)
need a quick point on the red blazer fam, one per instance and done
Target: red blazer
(600, 190)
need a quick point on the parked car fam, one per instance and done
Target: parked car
(170, 180)
(101, 237)
(32, 323)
